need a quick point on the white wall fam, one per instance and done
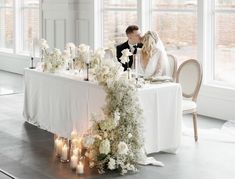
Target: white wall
(75, 21)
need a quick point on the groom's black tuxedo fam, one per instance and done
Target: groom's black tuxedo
(123, 46)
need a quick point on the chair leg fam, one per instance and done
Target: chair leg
(195, 126)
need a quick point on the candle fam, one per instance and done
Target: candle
(75, 152)
(64, 155)
(87, 56)
(74, 134)
(80, 168)
(58, 146)
(74, 161)
(33, 43)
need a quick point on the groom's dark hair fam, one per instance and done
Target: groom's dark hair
(131, 28)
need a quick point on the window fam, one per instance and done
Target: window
(117, 15)
(224, 42)
(6, 24)
(19, 25)
(30, 23)
(176, 24)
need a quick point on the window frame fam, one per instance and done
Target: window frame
(18, 38)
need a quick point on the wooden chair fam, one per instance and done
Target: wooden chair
(189, 75)
(173, 66)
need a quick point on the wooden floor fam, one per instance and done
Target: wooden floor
(26, 152)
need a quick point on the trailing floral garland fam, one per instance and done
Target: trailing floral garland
(117, 137)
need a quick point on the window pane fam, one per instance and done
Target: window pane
(172, 4)
(225, 48)
(120, 3)
(30, 27)
(115, 24)
(31, 2)
(225, 4)
(178, 31)
(6, 28)
(6, 3)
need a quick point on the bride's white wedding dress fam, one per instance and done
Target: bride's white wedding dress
(157, 65)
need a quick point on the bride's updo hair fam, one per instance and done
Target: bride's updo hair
(149, 41)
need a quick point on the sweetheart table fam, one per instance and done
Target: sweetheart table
(59, 103)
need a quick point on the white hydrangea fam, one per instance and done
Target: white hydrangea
(107, 124)
(112, 164)
(104, 147)
(122, 148)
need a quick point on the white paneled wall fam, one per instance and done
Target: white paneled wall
(67, 21)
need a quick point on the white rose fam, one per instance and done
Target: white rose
(122, 148)
(83, 48)
(124, 59)
(126, 52)
(66, 53)
(104, 147)
(56, 51)
(99, 53)
(88, 141)
(70, 45)
(112, 164)
(43, 44)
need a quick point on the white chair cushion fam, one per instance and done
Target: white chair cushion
(188, 105)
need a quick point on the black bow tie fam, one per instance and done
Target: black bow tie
(135, 47)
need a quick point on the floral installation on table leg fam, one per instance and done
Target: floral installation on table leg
(117, 135)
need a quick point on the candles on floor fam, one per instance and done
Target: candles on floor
(80, 168)
(58, 146)
(65, 153)
(74, 161)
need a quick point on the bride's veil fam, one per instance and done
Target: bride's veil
(161, 47)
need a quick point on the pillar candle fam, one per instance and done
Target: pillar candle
(74, 161)
(80, 168)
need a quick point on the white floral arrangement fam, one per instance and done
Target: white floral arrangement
(111, 45)
(109, 71)
(54, 60)
(71, 48)
(83, 57)
(97, 57)
(43, 45)
(116, 137)
(125, 56)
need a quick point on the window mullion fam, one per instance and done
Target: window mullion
(18, 26)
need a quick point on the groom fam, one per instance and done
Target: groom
(133, 42)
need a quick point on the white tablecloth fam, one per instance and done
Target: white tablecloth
(60, 103)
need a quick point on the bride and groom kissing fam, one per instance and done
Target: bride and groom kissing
(153, 56)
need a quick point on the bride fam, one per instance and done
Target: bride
(153, 57)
